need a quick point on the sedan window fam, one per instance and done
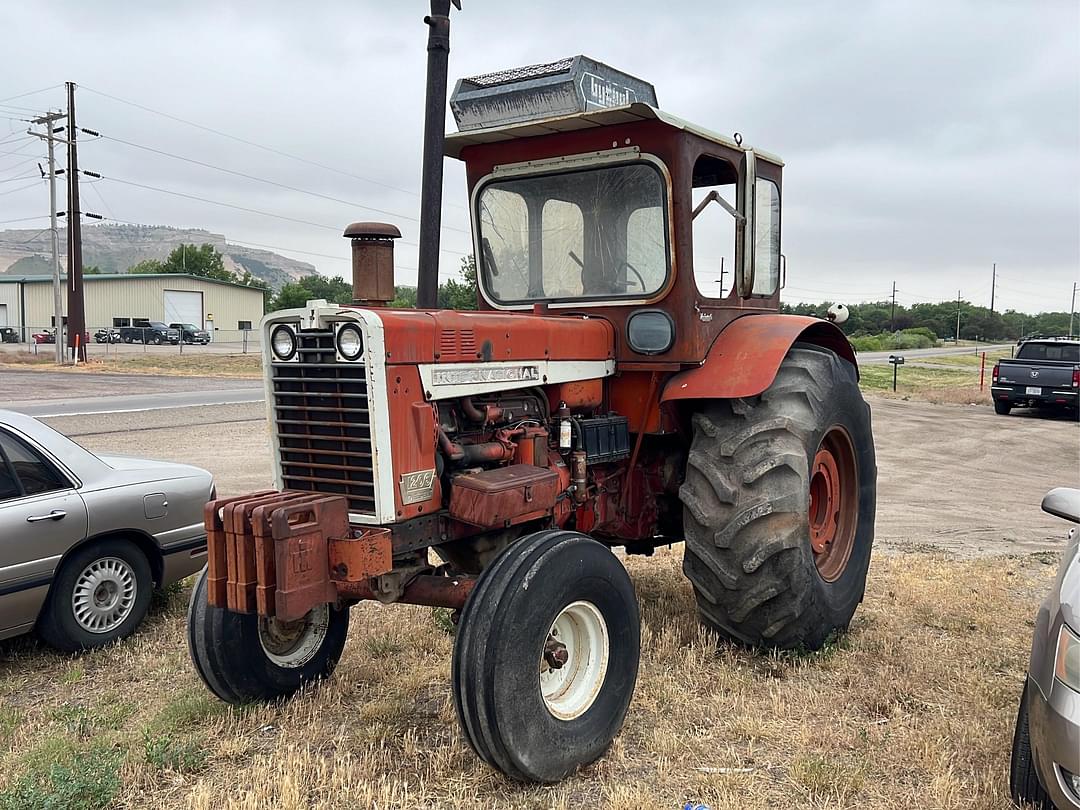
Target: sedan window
(9, 487)
(34, 473)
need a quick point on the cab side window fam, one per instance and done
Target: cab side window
(24, 471)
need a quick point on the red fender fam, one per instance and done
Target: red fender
(744, 358)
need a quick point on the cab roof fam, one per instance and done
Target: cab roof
(610, 116)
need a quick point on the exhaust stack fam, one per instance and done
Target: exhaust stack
(372, 261)
(438, 48)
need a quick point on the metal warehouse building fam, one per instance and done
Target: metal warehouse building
(26, 303)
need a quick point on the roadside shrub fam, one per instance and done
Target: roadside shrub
(80, 780)
(182, 755)
(918, 338)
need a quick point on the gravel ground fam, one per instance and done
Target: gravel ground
(960, 479)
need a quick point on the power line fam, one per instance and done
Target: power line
(246, 142)
(34, 184)
(258, 179)
(30, 93)
(223, 204)
(335, 228)
(23, 219)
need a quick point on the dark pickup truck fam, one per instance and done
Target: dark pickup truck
(1044, 374)
(191, 333)
(152, 332)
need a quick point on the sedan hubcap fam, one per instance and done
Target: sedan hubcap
(104, 595)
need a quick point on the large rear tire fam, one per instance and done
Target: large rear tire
(779, 502)
(244, 658)
(1002, 408)
(546, 656)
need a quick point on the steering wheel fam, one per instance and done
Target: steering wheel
(622, 264)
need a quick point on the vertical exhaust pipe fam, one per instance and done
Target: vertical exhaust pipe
(438, 48)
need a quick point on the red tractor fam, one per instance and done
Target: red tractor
(489, 461)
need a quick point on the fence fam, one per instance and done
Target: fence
(109, 340)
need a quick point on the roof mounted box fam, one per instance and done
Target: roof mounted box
(537, 92)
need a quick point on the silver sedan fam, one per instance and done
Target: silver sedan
(1045, 769)
(85, 538)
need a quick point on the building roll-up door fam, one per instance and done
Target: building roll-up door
(183, 306)
(3, 315)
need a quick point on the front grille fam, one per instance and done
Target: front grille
(323, 422)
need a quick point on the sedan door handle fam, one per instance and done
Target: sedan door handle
(55, 514)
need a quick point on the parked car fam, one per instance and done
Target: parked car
(107, 335)
(8, 335)
(1045, 767)
(1044, 374)
(85, 538)
(153, 332)
(49, 336)
(190, 333)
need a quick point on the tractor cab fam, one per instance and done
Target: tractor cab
(586, 198)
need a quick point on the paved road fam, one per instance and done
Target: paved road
(910, 354)
(59, 393)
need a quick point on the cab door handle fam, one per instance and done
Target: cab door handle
(55, 514)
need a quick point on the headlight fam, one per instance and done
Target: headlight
(283, 343)
(349, 342)
(1067, 667)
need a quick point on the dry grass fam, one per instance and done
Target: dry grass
(193, 364)
(939, 385)
(914, 708)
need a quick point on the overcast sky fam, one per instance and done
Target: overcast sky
(923, 141)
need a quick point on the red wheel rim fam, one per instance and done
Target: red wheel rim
(834, 503)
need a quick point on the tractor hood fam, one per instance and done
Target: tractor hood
(446, 336)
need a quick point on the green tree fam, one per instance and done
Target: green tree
(404, 297)
(309, 288)
(454, 294)
(202, 260)
(146, 266)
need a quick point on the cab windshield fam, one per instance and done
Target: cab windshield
(594, 234)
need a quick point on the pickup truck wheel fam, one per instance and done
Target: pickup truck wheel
(778, 505)
(546, 656)
(243, 658)
(1024, 785)
(1002, 408)
(101, 593)
(127, 338)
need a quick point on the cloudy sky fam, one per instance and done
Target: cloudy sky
(923, 141)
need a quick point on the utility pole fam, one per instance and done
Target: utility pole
(957, 317)
(892, 310)
(54, 233)
(1072, 309)
(76, 304)
(993, 284)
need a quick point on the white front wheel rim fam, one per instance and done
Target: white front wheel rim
(570, 690)
(292, 644)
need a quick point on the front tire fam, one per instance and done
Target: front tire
(1024, 785)
(546, 656)
(243, 658)
(779, 502)
(100, 595)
